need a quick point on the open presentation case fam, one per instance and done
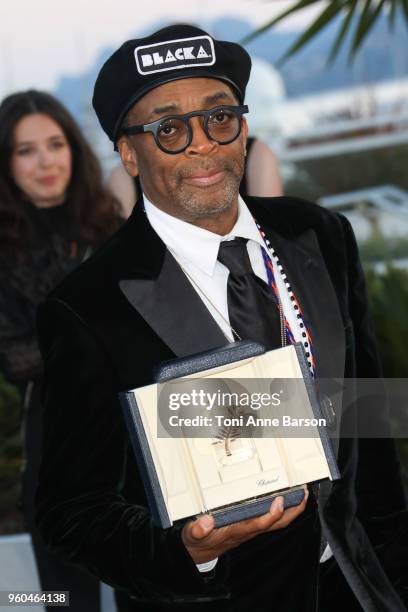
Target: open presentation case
(229, 460)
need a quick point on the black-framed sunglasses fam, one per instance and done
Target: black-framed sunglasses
(173, 133)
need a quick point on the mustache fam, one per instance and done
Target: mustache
(225, 165)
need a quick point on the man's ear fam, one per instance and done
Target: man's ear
(128, 156)
(244, 130)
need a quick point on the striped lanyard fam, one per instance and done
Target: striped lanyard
(268, 253)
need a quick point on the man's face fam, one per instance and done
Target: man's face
(200, 182)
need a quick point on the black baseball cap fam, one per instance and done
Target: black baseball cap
(175, 52)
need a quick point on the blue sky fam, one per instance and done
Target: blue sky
(42, 39)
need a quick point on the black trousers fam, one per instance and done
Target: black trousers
(274, 572)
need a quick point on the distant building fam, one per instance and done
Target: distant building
(382, 209)
(269, 117)
(265, 94)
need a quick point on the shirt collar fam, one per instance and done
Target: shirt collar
(194, 244)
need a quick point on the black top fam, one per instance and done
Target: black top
(53, 247)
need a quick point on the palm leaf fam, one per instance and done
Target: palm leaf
(228, 433)
(393, 12)
(343, 31)
(369, 15)
(365, 24)
(405, 8)
(321, 22)
(267, 26)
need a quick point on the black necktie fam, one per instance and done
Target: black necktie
(251, 307)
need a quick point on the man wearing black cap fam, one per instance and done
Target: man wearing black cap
(193, 268)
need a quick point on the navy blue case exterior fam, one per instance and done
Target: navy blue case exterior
(230, 353)
(254, 508)
(207, 360)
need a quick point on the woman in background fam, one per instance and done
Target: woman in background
(54, 210)
(261, 177)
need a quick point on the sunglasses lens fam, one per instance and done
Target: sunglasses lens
(173, 135)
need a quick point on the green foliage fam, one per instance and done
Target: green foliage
(10, 458)
(380, 248)
(367, 10)
(388, 298)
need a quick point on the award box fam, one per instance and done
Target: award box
(221, 472)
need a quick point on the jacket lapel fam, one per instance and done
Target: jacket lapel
(159, 290)
(307, 273)
(310, 281)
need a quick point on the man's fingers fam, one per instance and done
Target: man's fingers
(264, 522)
(290, 514)
(231, 535)
(200, 528)
(277, 517)
(249, 528)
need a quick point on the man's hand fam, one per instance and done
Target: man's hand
(205, 543)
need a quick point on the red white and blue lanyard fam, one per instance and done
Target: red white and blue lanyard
(268, 253)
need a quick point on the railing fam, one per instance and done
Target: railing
(385, 198)
(342, 137)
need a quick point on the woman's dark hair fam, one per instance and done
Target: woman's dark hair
(92, 206)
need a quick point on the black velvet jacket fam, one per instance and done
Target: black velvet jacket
(129, 307)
